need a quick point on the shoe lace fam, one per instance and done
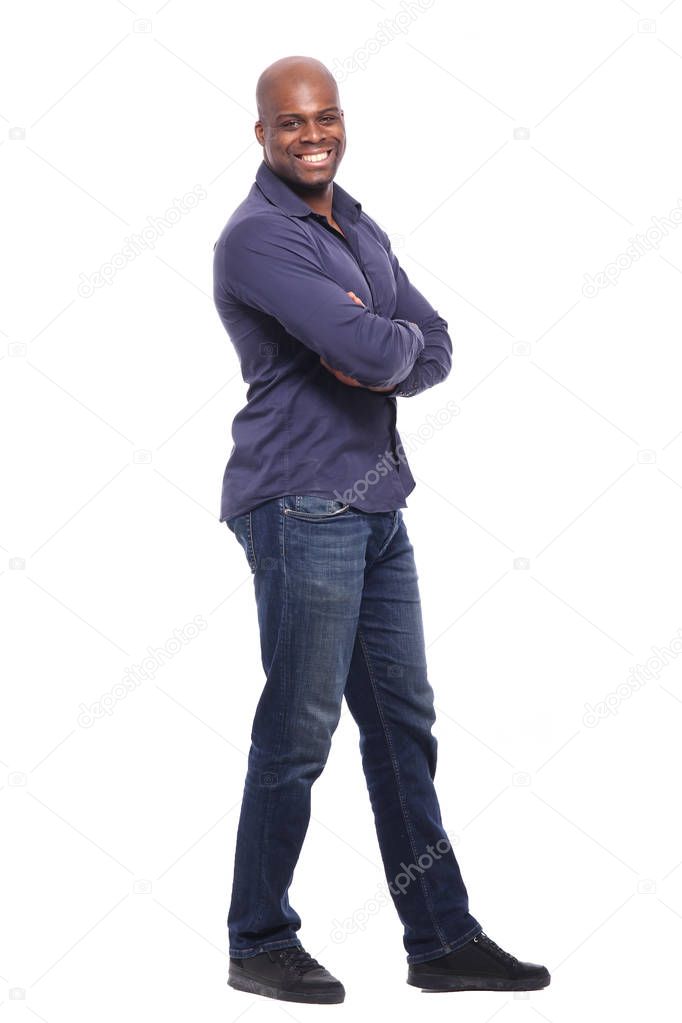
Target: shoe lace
(494, 948)
(298, 959)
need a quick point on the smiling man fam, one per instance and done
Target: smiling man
(329, 331)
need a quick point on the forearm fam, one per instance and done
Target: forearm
(351, 381)
(432, 366)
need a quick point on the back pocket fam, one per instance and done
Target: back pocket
(312, 508)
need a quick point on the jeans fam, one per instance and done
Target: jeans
(339, 615)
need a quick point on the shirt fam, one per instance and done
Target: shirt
(281, 274)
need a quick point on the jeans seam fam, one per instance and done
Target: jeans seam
(253, 564)
(426, 891)
(390, 536)
(268, 808)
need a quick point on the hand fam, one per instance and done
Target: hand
(351, 381)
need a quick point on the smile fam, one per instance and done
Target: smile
(320, 157)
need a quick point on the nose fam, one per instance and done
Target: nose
(311, 132)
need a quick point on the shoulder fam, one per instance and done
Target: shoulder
(259, 227)
(262, 246)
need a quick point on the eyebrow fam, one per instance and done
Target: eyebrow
(325, 111)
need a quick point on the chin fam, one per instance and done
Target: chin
(315, 180)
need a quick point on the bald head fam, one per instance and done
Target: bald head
(278, 79)
(299, 117)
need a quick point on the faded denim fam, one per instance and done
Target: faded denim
(339, 615)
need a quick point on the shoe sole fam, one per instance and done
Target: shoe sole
(257, 987)
(437, 982)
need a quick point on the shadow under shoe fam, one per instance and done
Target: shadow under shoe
(479, 965)
(290, 974)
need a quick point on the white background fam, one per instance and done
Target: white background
(116, 412)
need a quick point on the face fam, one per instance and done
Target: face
(303, 118)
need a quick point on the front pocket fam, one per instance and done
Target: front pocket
(312, 508)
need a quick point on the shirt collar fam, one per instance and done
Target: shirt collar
(278, 192)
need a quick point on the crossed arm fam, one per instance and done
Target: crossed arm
(343, 377)
(274, 267)
(434, 361)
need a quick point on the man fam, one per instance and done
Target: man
(329, 331)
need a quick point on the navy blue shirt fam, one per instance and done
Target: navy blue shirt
(281, 274)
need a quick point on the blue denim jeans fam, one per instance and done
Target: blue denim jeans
(339, 615)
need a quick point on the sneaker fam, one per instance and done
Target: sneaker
(287, 973)
(479, 965)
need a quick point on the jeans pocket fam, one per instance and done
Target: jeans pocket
(241, 526)
(311, 508)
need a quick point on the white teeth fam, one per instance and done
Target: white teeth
(316, 157)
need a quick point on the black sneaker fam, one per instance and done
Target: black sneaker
(479, 965)
(287, 973)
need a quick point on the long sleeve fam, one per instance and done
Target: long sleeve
(271, 265)
(434, 362)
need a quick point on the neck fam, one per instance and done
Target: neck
(319, 199)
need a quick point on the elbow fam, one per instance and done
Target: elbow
(447, 365)
(440, 344)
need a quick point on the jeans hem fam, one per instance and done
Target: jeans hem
(245, 953)
(451, 946)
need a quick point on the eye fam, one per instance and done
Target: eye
(290, 124)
